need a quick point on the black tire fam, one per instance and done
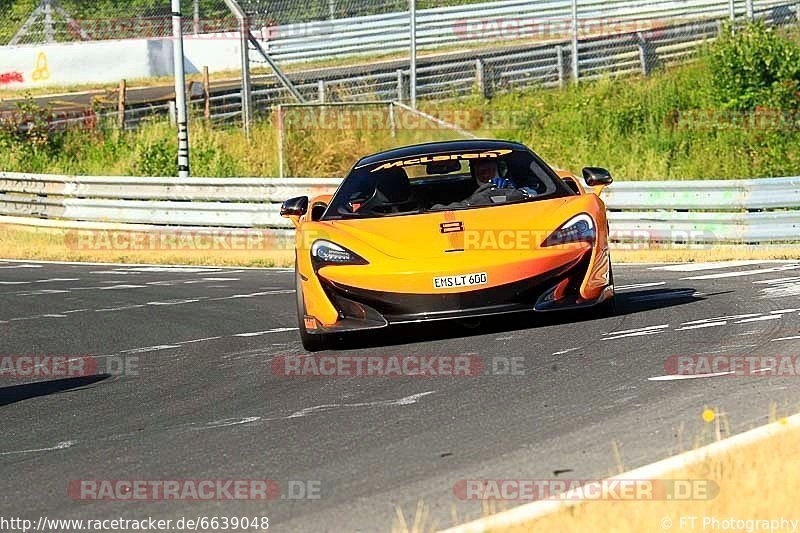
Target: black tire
(609, 307)
(311, 342)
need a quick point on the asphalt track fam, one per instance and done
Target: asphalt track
(204, 402)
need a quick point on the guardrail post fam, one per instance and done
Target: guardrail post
(480, 78)
(401, 89)
(562, 76)
(121, 99)
(206, 94)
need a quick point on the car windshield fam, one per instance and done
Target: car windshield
(445, 181)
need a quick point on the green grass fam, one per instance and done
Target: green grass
(635, 127)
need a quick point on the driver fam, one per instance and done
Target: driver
(488, 171)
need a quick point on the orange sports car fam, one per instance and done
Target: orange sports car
(450, 230)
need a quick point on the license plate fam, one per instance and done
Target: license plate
(455, 282)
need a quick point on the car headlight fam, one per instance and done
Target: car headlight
(578, 229)
(324, 253)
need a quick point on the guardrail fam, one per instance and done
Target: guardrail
(713, 211)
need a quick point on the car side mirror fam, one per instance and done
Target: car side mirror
(597, 177)
(295, 207)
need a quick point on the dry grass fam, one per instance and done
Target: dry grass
(49, 244)
(45, 244)
(717, 253)
(757, 482)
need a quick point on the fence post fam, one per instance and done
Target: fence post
(122, 95)
(180, 90)
(279, 122)
(732, 9)
(196, 17)
(413, 77)
(173, 113)
(401, 90)
(642, 44)
(321, 91)
(480, 78)
(750, 15)
(206, 94)
(392, 120)
(560, 65)
(575, 69)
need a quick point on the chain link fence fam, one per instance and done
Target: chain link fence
(358, 50)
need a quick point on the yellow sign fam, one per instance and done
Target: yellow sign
(42, 71)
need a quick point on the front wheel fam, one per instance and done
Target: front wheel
(609, 306)
(311, 342)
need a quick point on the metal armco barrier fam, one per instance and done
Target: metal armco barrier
(713, 211)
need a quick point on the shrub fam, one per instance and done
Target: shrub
(755, 67)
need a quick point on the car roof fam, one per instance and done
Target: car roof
(417, 150)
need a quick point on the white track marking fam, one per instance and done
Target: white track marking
(123, 308)
(680, 377)
(408, 400)
(260, 333)
(562, 352)
(152, 348)
(22, 266)
(209, 280)
(724, 349)
(60, 446)
(776, 281)
(759, 319)
(228, 423)
(42, 292)
(199, 340)
(175, 302)
(54, 280)
(720, 318)
(254, 295)
(116, 288)
(743, 273)
(786, 339)
(781, 290)
(162, 270)
(639, 286)
(637, 330)
(701, 326)
(695, 267)
(637, 334)
(49, 315)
